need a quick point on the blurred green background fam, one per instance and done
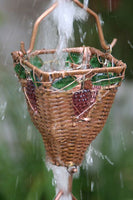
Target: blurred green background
(23, 173)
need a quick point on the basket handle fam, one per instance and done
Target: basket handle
(48, 11)
(100, 32)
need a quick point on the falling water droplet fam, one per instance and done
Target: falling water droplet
(109, 161)
(123, 141)
(24, 111)
(3, 105)
(81, 196)
(17, 181)
(89, 157)
(92, 186)
(110, 5)
(36, 195)
(34, 3)
(82, 34)
(121, 180)
(53, 182)
(101, 20)
(20, 89)
(29, 133)
(130, 44)
(86, 3)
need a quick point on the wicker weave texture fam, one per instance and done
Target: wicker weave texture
(66, 132)
(66, 137)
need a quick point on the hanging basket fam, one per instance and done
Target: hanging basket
(69, 107)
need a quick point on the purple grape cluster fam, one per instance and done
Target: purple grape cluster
(82, 101)
(30, 91)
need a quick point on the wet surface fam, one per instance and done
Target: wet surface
(107, 171)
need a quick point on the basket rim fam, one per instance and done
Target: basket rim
(20, 57)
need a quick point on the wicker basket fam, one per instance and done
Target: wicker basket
(66, 132)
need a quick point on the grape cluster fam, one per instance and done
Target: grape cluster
(82, 101)
(30, 91)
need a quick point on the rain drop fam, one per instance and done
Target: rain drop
(3, 105)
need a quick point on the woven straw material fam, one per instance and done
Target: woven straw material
(66, 133)
(65, 137)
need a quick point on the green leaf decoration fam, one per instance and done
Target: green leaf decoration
(36, 61)
(65, 83)
(104, 79)
(35, 79)
(20, 71)
(95, 63)
(74, 58)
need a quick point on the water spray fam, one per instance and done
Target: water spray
(68, 107)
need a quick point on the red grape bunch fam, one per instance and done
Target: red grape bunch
(31, 97)
(83, 101)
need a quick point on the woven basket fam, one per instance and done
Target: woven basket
(67, 132)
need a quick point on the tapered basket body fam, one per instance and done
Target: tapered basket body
(66, 123)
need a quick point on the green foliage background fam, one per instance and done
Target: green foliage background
(23, 172)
